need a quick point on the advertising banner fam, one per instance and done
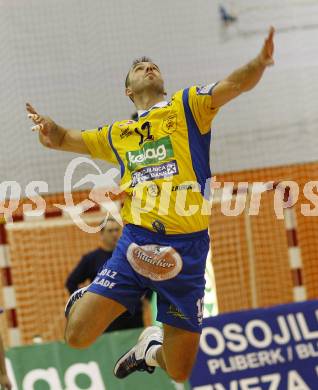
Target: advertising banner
(55, 366)
(263, 349)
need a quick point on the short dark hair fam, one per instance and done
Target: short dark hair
(109, 218)
(135, 62)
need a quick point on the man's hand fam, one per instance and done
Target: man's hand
(245, 78)
(54, 136)
(5, 383)
(50, 135)
(266, 55)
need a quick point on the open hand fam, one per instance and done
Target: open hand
(48, 130)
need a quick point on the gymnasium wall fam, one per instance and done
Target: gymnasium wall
(272, 241)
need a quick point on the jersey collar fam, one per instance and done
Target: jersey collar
(161, 104)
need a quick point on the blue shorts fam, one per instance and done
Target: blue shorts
(171, 265)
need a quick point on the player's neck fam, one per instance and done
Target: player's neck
(145, 102)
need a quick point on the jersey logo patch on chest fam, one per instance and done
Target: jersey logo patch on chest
(152, 152)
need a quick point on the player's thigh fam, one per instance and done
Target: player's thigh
(180, 348)
(89, 317)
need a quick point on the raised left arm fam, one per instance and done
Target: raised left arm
(246, 77)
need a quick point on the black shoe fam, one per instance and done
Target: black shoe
(134, 359)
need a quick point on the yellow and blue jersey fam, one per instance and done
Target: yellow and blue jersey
(164, 159)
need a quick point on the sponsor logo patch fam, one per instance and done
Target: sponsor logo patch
(124, 133)
(170, 124)
(153, 190)
(186, 187)
(154, 172)
(152, 152)
(154, 262)
(102, 278)
(159, 226)
(175, 312)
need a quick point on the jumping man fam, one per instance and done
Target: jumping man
(164, 163)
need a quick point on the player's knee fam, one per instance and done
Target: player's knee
(75, 339)
(179, 376)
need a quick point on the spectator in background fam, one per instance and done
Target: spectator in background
(88, 268)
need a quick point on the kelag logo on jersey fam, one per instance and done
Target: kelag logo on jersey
(151, 153)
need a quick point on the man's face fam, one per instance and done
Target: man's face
(110, 234)
(144, 76)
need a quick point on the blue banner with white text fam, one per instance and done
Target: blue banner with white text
(262, 349)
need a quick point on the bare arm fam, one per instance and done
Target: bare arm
(246, 77)
(55, 136)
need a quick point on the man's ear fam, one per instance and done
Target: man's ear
(129, 92)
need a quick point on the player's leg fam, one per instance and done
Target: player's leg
(175, 353)
(177, 343)
(176, 350)
(89, 317)
(180, 309)
(114, 290)
(180, 301)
